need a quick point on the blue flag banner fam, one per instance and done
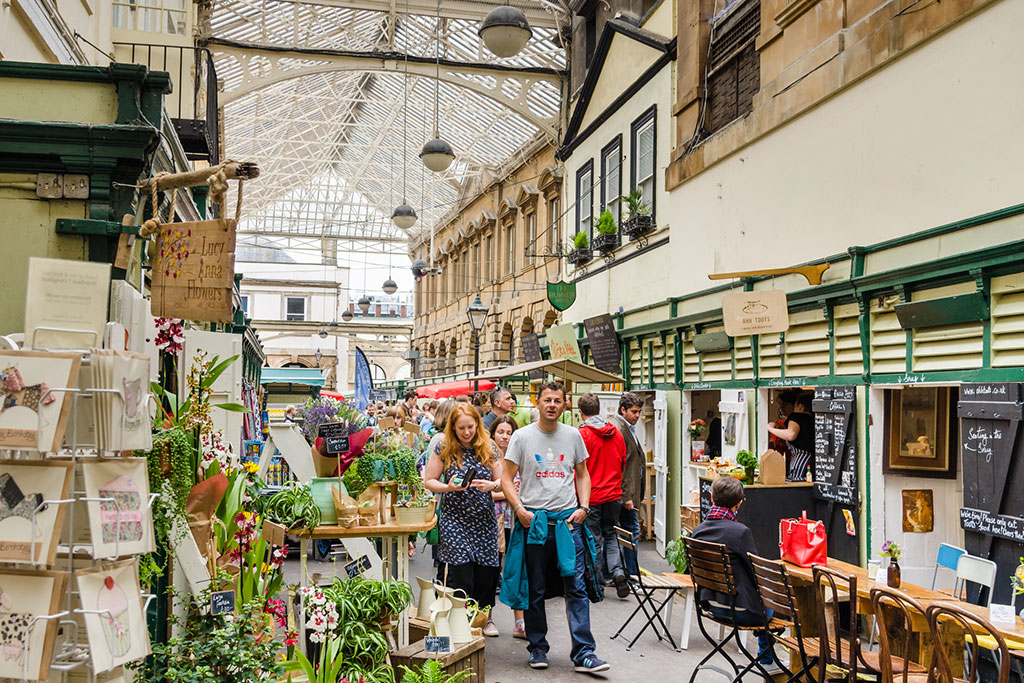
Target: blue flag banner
(363, 380)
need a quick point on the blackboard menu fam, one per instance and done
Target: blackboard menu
(835, 444)
(604, 343)
(990, 455)
(705, 498)
(531, 352)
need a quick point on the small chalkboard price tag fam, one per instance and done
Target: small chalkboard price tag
(222, 602)
(437, 644)
(337, 444)
(357, 567)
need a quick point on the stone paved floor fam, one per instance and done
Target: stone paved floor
(650, 661)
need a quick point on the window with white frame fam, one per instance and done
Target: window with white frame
(530, 222)
(153, 16)
(611, 178)
(295, 308)
(644, 142)
(245, 303)
(488, 258)
(585, 199)
(554, 222)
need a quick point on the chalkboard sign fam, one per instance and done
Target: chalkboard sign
(439, 644)
(222, 602)
(705, 498)
(604, 343)
(337, 444)
(990, 455)
(357, 567)
(836, 467)
(378, 395)
(531, 352)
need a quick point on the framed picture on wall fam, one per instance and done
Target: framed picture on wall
(921, 431)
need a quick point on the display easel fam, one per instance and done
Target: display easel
(68, 653)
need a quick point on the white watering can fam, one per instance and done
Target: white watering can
(427, 597)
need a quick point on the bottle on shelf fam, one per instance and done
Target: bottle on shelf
(809, 478)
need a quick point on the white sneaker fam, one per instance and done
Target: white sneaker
(491, 629)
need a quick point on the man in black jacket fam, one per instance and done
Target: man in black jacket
(720, 526)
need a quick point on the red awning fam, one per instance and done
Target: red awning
(451, 389)
(332, 394)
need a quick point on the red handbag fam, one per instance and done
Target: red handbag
(802, 541)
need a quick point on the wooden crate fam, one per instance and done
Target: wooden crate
(688, 517)
(419, 627)
(466, 657)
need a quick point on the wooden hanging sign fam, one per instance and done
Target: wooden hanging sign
(194, 271)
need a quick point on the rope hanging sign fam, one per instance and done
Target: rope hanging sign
(193, 263)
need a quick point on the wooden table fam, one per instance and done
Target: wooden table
(807, 604)
(356, 540)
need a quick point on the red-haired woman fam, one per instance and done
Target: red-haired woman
(465, 468)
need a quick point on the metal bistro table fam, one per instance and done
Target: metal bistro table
(357, 542)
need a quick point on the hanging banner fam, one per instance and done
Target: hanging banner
(757, 312)
(562, 342)
(193, 274)
(561, 295)
(363, 381)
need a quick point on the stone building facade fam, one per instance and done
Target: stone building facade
(502, 244)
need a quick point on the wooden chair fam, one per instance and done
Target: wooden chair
(777, 594)
(711, 570)
(886, 604)
(949, 615)
(840, 657)
(645, 589)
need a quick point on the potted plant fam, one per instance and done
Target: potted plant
(416, 509)
(894, 552)
(640, 221)
(748, 461)
(1017, 582)
(675, 553)
(608, 239)
(432, 671)
(581, 253)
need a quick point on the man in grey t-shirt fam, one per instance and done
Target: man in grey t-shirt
(552, 463)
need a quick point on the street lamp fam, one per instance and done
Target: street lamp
(318, 355)
(477, 314)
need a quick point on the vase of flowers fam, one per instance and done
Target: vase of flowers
(893, 551)
(698, 428)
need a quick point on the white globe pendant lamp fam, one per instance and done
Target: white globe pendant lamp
(505, 31)
(437, 155)
(404, 216)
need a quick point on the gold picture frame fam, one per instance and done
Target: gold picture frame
(921, 431)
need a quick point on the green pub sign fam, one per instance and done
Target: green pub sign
(561, 295)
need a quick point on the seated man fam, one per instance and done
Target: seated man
(720, 526)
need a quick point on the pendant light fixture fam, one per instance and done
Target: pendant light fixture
(347, 316)
(389, 286)
(505, 31)
(404, 216)
(363, 304)
(437, 155)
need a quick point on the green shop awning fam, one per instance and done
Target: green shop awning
(308, 376)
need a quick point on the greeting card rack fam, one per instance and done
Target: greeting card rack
(70, 652)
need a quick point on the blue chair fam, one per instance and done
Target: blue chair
(947, 558)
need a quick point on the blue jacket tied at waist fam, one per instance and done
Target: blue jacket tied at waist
(515, 585)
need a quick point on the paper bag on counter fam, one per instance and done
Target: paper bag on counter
(346, 507)
(325, 465)
(773, 468)
(201, 509)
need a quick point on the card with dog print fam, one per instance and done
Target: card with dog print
(32, 414)
(29, 526)
(26, 641)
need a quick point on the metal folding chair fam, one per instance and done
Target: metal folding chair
(977, 570)
(946, 557)
(777, 594)
(645, 589)
(710, 569)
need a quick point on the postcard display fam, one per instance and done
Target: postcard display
(75, 510)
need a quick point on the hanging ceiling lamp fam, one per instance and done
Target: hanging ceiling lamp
(505, 31)
(363, 304)
(404, 216)
(390, 286)
(347, 316)
(437, 155)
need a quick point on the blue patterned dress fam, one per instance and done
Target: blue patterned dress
(467, 526)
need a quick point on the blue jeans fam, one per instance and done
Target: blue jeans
(630, 521)
(540, 560)
(748, 618)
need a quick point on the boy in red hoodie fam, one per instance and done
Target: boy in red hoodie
(607, 457)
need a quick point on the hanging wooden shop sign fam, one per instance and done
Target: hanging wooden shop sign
(194, 271)
(756, 312)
